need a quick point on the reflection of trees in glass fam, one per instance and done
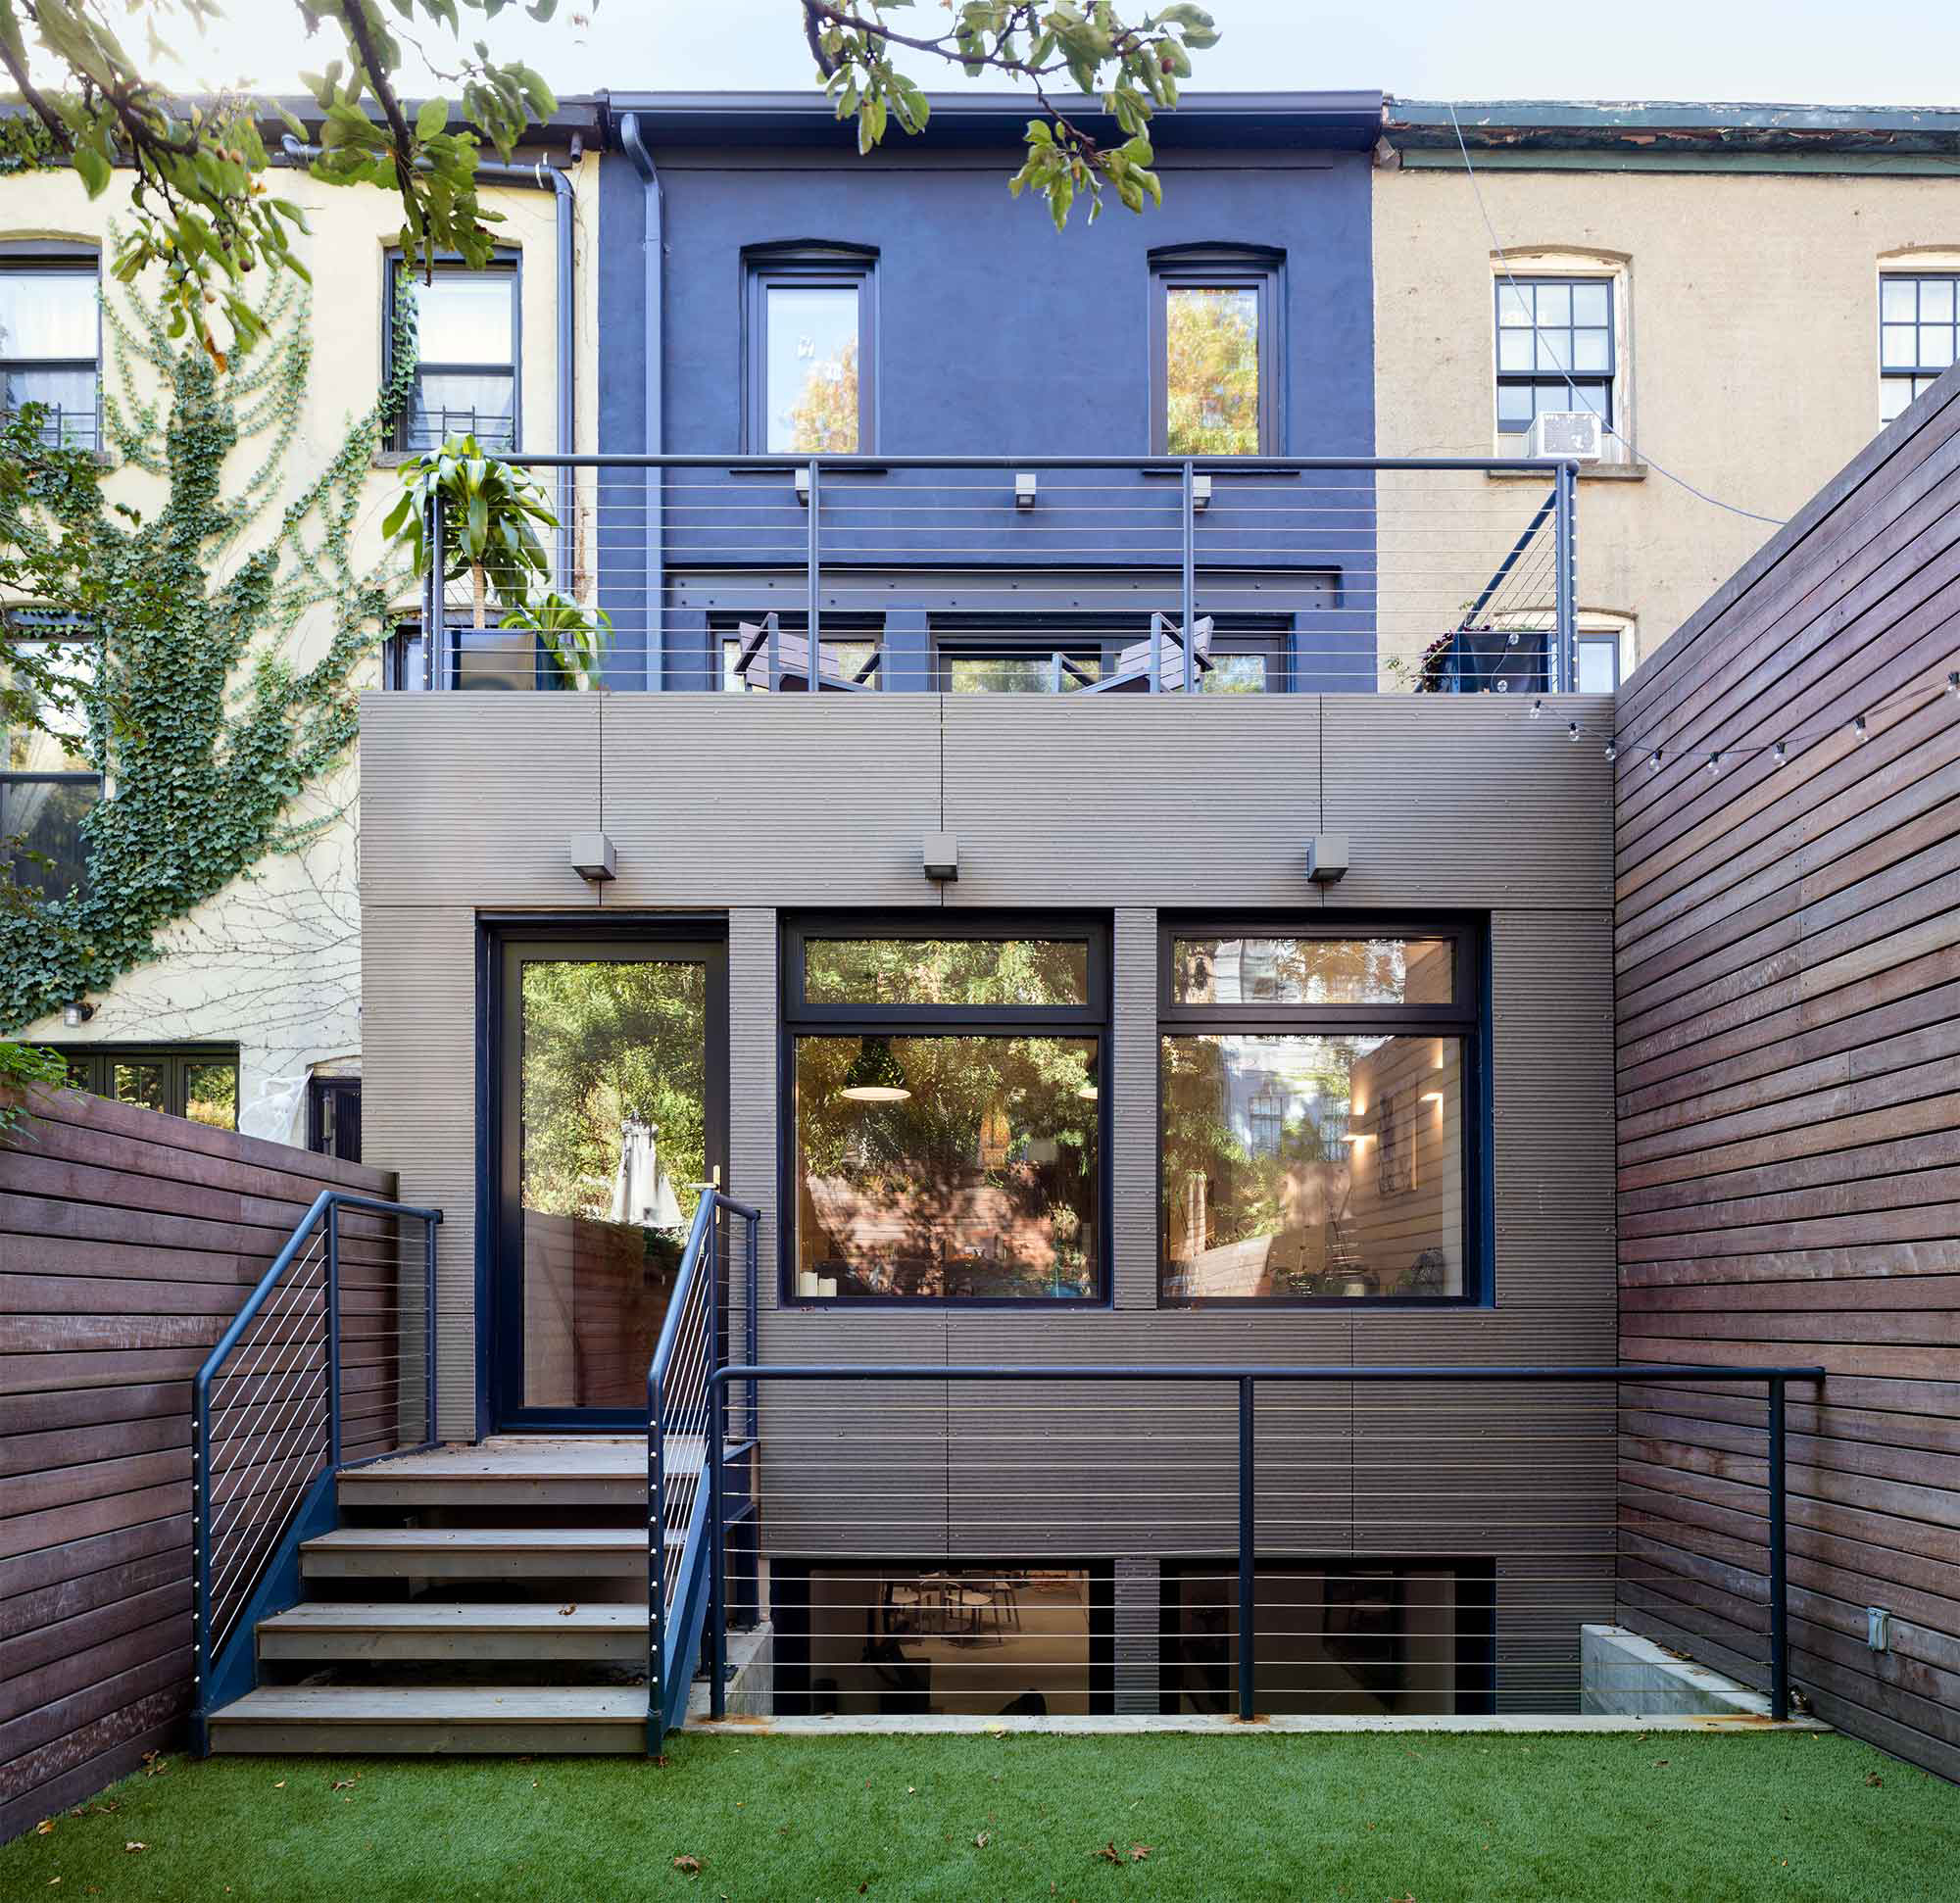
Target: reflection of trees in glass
(604, 1042)
(1313, 971)
(946, 971)
(1213, 371)
(983, 1181)
(823, 418)
(1012, 673)
(213, 1095)
(1216, 1190)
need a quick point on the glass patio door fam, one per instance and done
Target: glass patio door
(612, 1114)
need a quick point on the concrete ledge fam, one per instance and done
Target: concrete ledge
(1535, 1725)
(1620, 1673)
(751, 1680)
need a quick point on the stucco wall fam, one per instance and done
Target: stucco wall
(274, 963)
(1750, 354)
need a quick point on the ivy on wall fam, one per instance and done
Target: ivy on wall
(203, 725)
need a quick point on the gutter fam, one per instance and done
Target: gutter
(653, 244)
(536, 178)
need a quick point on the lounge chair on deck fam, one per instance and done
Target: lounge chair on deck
(1132, 672)
(780, 662)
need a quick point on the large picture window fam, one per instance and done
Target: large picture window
(946, 1109)
(198, 1081)
(1318, 1106)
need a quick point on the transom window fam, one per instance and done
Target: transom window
(1214, 352)
(466, 364)
(1317, 1114)
(50, 341)
(946, 1113)
(1918, 316)
(811, 357)
(1556, 349)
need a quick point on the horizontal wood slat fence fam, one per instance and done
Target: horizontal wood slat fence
(128, 1241)
(1787, 976)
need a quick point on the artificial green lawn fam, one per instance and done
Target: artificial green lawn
(1379, 1818)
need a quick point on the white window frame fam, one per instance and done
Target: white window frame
(1606, 268)
(1927, 260)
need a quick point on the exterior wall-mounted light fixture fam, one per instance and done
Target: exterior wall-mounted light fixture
(940, 857)
(1327, 858)
(1201, 494)
(1026, 487)
(76, 1012)
(802, 483)
(593, 857)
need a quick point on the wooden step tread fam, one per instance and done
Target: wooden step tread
(451, 1616)
(438, 1705)
(524, 1458)
(482, 1539)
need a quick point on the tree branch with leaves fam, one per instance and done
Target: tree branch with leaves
(1131, 69)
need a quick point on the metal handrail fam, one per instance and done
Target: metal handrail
(703, 1246)
(323, 1212)
(1245, 1377)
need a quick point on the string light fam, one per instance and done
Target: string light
(1859, 728)
(1572, 731)
(1653, 759)
(1612, 750)
(1714, 765)
(1953, 682)
(1538, 707)
(1780, 751)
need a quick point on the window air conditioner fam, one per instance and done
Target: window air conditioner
(1570, 435)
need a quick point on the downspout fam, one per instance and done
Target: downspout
(654, 254)
(537, 177)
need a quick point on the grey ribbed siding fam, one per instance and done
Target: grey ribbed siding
(1139, 1589)
(761, 806)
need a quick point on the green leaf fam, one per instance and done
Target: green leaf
(431, 118)
(94, 168)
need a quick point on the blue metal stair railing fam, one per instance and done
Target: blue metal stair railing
(686, 1410)
(299, 1378)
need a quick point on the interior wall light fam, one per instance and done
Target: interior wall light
(874, 1076)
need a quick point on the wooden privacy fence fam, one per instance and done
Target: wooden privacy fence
(128, 1241)
(1787, 976)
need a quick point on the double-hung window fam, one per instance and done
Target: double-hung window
(466, 354)
(1556, 350)
(1918, 313)
(1214, 352)
(811, 357)
(1317, 1098)
(50, 339)
(946, 1112)
(47, 785)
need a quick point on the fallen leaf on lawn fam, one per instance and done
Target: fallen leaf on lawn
(911, 1789)
(45, 1828)
(280, 1785)
(692, 1864)
(998, 1731)
(155, 1764)
(1873, 1778)
(343, 1783)
(52, 1882)
(1139, 1851)
(980, 1842)
(1108, 1854)
(1660, 1764)
(132, 1844)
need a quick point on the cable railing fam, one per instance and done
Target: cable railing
(1034, 574)
(329, 1363)
(685, 1412)
(1239, 1541)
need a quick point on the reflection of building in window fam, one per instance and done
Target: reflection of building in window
(466, 357)
(1397, 1153)
(49, 339)
(812, 350)
(47, 786)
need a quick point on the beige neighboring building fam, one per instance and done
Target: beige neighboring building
(1745, 292)
(253, 1010)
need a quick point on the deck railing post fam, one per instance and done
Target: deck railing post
(200, 1502)
(814, 605)
(333, 1334)
(435, 635)
(1567, 580)
(1247, 1642)
(717, 1564)
(657, 1558)
(751, 1336)
(1188, 606)
(428, 1331)
(1779, 1583)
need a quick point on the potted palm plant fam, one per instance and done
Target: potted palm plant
(491, 516)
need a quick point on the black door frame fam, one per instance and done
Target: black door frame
(503, 944)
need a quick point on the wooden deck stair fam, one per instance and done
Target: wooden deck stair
(509, 1614)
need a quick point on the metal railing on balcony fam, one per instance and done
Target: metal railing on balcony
(329, 1363)
(1050, 574)
(1304, 1540)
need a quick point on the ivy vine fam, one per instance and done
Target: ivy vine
(204, 727)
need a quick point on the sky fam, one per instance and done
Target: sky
(1817, 51)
